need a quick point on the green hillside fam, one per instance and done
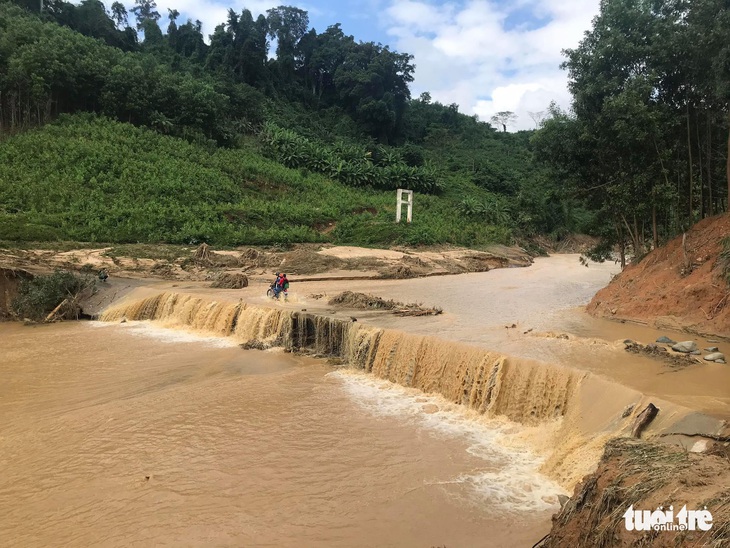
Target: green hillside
(178, 138)
(106, 139)
(92, 179)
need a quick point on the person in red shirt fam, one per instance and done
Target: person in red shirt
(282, 284)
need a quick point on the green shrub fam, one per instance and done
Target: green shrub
(352, 165)
(20, 228)
(38, 296)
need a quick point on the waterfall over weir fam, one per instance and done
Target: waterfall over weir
(487, 382)
(569, 414)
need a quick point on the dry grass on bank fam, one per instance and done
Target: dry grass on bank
(647, 476)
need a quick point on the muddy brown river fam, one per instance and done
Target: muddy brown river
(125, 435)
(139, 433)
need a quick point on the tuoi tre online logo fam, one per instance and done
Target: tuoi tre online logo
(665, 520)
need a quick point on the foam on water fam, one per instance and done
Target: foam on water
(165, 334)
(509, 478)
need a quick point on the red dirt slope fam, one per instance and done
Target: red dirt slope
(657, 292)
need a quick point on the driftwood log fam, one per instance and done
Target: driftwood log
(643, 419)
(53, 313)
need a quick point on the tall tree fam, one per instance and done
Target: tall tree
(329, 51)
(537, 117)
(372, 84)
(288, 25)
(119, 15)
(144, 11)
(504, 118)
(172, 15)
(188, 41)
(650, 82)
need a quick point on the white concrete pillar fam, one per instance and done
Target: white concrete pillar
(408, 201)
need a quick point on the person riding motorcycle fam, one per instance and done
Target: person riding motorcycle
(281, 285)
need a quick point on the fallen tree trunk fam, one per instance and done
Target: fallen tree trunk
(55, 310)
(643, 419)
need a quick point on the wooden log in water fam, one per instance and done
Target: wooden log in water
(643, 419)
(55, 310)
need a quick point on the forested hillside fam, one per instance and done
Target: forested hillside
(242, 144)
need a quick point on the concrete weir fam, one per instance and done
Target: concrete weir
(571, 413)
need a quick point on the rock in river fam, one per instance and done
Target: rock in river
(685, 347)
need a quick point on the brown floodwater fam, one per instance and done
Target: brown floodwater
(543, 302)
(129, 434)
(161, 433)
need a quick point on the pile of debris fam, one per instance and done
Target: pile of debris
(230, 281)
(635, 475)
(683, 353)
(351, 299)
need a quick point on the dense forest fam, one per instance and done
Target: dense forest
(236, 144)
(646, 141)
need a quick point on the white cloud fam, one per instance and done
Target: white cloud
(466, 54)
(418, 15)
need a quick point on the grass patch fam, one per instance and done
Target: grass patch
(51, 245)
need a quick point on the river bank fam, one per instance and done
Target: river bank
(303, 261)
(682, 285)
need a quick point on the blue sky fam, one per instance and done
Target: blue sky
(484, 55)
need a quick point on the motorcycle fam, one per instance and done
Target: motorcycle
(271, 292)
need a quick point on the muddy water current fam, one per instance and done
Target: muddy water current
(168, 433)
(527, 312)
(121, 435)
